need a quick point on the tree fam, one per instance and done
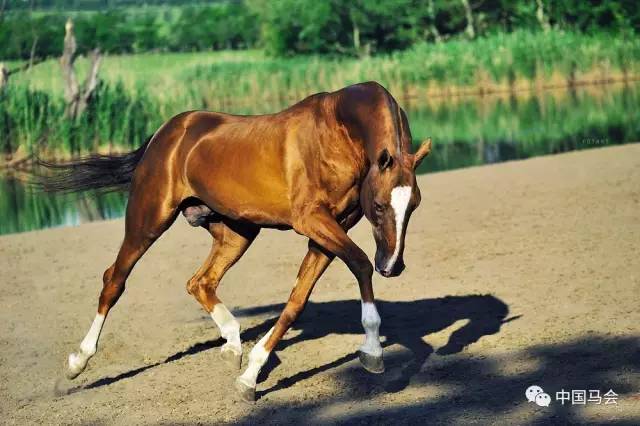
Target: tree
(77, 96)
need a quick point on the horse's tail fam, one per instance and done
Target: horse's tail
(105, 173)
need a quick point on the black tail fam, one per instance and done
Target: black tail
(105, 173)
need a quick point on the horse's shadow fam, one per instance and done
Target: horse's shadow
(403, 323)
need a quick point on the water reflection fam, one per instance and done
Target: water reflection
(465, 131)
(23, 209)
(472, 131)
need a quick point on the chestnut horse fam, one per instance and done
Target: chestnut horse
(315, 167)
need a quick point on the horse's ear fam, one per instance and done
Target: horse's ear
(384, 160)
(421, 153)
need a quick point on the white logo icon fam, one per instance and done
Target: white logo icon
(532, 392)
(543, 399)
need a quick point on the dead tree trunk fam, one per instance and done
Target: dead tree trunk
(470, 30)
(543, 19)
(77, 97)
(4, 76)
(3, 6)
(432, 26)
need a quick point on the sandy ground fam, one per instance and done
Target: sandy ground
(517, 274)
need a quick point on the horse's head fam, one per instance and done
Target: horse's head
(388, 197)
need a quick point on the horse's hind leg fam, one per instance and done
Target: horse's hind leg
(147, 218)
(230, 241)
(314, 264)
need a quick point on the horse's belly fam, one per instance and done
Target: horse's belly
(254, 204)
(241, 184)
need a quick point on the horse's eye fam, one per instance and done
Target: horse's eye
(379, 208)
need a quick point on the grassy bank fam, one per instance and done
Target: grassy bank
(519, 60)
(502, 62)
(141, 91)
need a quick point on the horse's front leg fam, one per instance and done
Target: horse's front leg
(324, 230)
(313, 265)
(328, 239)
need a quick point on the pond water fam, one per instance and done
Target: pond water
(465, 131)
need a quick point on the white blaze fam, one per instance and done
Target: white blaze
(400, 196)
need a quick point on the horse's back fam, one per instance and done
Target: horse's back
(257, 167)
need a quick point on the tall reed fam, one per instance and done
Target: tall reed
(35, 121)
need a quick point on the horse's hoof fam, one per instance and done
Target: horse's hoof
(371, 363)
(76, 365)
(232, 358)
(247, 392)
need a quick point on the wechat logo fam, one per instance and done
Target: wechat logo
(536, 394)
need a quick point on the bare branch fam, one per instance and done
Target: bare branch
(71, 89)
(32, 55)
(91, 82)
(3, 6)
(4, 76)
(77, 96)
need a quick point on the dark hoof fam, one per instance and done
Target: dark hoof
(247, 393)
(72, 374)
(232, 359)
(373, 364)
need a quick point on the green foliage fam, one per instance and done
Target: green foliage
(222, 25)
(289, 27)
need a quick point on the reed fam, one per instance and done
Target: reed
(500, 62)
(33, 121)
(139, 92)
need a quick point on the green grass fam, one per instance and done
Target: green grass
(249, 75)
(154, 70)
(141, 91)
(497, 60)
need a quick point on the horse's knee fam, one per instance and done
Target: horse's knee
(363, 271)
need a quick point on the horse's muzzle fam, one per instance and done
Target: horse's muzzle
(393, 271)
